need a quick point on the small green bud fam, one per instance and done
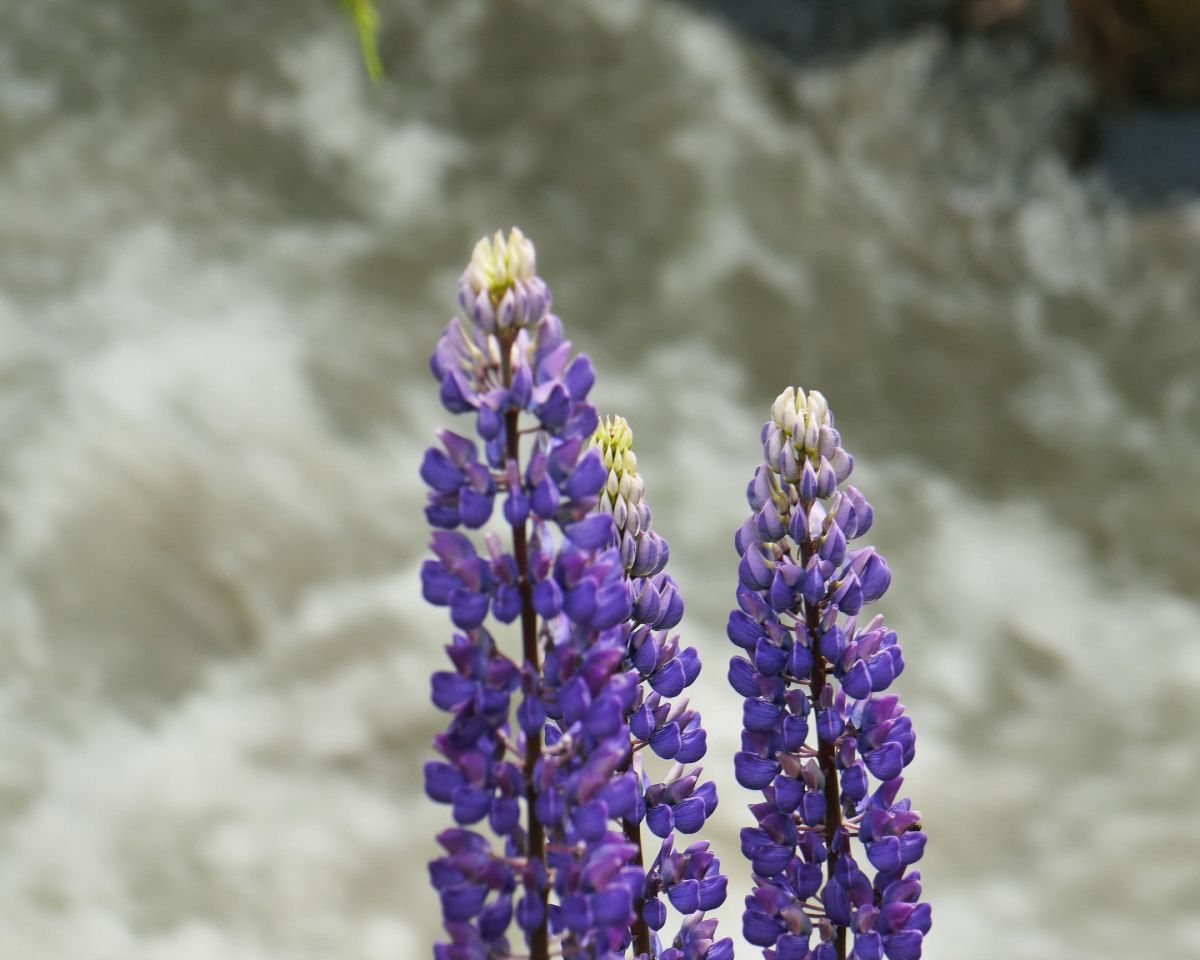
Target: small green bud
(623, 490)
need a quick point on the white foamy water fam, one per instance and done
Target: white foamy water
(225, 260)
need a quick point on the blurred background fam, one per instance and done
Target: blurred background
(225, 257)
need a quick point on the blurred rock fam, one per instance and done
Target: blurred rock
(804, 30)
(1140, 59)
(1140, 51)
(1137, 51)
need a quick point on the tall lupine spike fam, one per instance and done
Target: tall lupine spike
(539, 743)
(691, 881)
(817, 726)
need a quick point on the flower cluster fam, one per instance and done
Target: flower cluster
(809, 668)
(692, 880)
(543, 745)
(551, 744)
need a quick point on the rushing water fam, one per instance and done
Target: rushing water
(225, 261)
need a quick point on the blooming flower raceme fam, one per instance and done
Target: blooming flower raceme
(832, 846)
(540, 742)
(692, 880)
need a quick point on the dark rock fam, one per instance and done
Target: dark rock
(810, 30)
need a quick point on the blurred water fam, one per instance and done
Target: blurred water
(225, 260)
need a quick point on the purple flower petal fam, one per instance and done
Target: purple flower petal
(905, 945)
(761, 930)
(800, 661)
(580, 602)
(470, 804)
(854, 782)
(743, 630)
(468, 608)
(530, 913)
(437, 583)
(462, 903)
(579, 377)
(549, 807)
(439, 472)
(516, 507)
(788, 793)
(830, 724)
(547, 599)
(690, 815)
(454, 393)
(685, 896)
(813, 583)
(669, 679)
(886, 762)
(812, 808)
(912, 847)
(665, 742)
(612, 606)
(795, 732)
(712, 892)
(875, 577)
(612, 907)
(760, 715)
(857, 681)
(690, 661)
(494, 921)
(693, 744)
(771, 860)
(450, 689)
(868, 946)
(753, 772)
(554, 410)
(660, 820)
(742, 677)
(545, 499)
(753, 570)
(721, 950)
(837, 903)
(673, 608)
(792, 947)
(441, 779)
(474, 508)
(592, 533)
(504, 815)
(489, 422)
(587, 479)
(506, 604)
(769, 660)
(654, 911)
(591, 820)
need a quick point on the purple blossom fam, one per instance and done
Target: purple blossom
(671, 730)
(829, 855)
(543, 742)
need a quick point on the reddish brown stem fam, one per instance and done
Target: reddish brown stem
(641, 930)
(825, 751)
(539, 938)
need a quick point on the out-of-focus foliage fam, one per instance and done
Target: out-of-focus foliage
(366, 22)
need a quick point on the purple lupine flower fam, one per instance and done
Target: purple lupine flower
(817, 727)
(540, 743)
(692, 882)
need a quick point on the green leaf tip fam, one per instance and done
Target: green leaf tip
(366, 21)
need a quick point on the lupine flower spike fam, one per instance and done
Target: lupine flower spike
(554, 778)
(691, 879)
(821, 739)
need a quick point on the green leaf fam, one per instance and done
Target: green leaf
(366, 22)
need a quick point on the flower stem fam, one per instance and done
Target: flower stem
(633, 833)
(825, 751)
(539, 945)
